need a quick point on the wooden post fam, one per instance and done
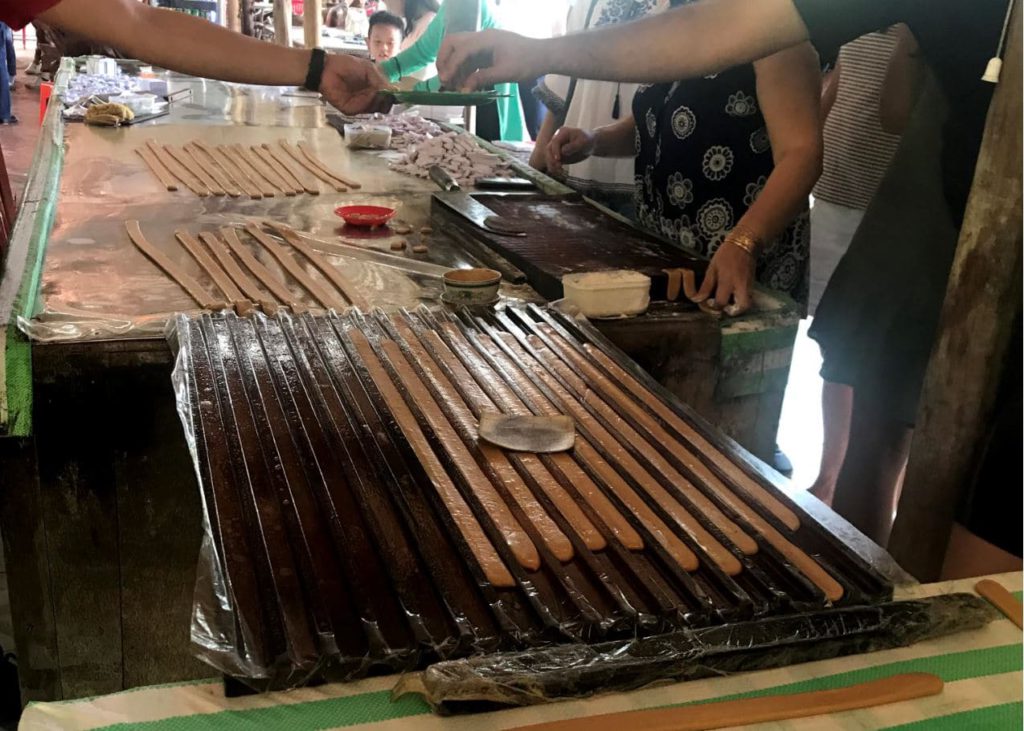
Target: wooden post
(283, 22)
(312, 22)
(232, 15)
(983, 298)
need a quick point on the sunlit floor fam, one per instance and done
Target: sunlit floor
(800, 423)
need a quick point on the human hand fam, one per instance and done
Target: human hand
(569, 145)
(728, 280)
(353, 85)
(471, 61)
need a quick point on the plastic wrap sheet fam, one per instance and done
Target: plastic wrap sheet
(354, 523)
(97, 285)
(573, 671)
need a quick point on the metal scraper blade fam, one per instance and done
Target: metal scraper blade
(541, 434)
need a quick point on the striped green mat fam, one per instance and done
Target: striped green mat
(982, 671)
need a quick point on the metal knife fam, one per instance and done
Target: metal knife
(469, 207)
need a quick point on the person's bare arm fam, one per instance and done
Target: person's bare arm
(572, 144)
(902, 83)
(829, 89)
(187, 44)
(685, 42)
(538, 158)
(788, 92)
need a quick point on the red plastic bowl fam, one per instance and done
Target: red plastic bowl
(365, 215)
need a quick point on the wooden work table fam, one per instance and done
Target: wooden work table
(100, 512)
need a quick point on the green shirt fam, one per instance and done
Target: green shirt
(424, 52)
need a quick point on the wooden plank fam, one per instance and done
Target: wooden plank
(982, 299)
(28, 572)
(159, 533)
(79, 511)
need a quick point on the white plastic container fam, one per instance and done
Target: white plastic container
(367, 136)
(619, 293)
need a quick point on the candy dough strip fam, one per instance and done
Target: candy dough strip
(181, 173)
(492, 503)
(1002, 600)
(583, 451)
(607, 397)
(468, 393)
(183, 280)
(249, 288)
(287, 261)
(739, 478)
(213, 271)
(210, 166)
(499, 470)
(299, 176)
(248, 165)
(679, 514)
(689, 283)
(186, 161)
(309, 167)
(674, 280)
(308, 152)
(810, 568)
(268, 168)
(230, 169)
(157, 168)
(472, 532)
(337, 278)
(262, 274)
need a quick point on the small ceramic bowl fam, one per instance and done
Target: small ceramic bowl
(365, 215)
(471, 286)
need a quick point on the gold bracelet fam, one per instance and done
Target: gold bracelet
(742, 238)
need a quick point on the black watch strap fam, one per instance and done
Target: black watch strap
(316, 69)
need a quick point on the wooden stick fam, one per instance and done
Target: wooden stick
(748, 711)
(210, 166)
(337, 278)
(287, 261)
(299, 176)
(211, 268)
(183, 280)
(157, 168)
(304, 162)
(249, 288)
(1002, 600)
(264, 275)
(188, 162)
(308, 152)
(281, 178)
(181, 173)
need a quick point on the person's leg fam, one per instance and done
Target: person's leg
(836, 408)
(969, 555)
(5, 95)
(868, 483)
(12, 56)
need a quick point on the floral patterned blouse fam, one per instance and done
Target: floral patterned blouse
(702, 158)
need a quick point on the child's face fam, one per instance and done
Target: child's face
(384, 42)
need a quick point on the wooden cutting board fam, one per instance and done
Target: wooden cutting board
(566, 235)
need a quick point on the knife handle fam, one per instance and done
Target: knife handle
(440, 176)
